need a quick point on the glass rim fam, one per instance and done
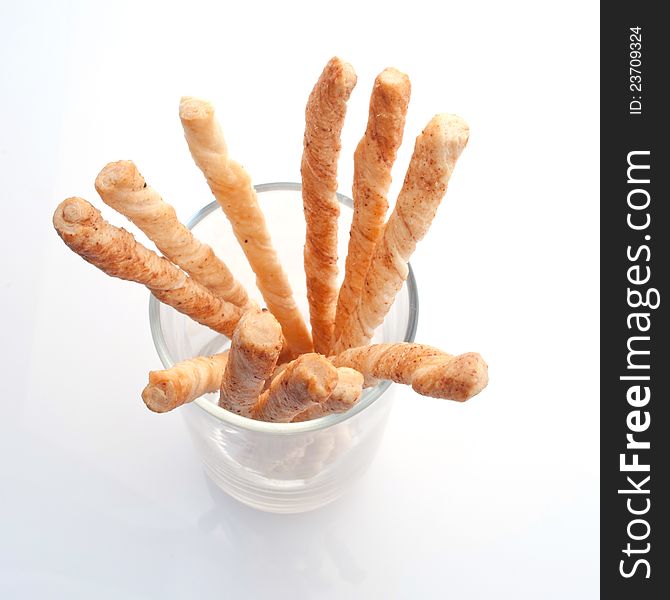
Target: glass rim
(214, 410)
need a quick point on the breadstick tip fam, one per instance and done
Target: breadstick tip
(318, 375)
(392, 77)
(156, 399)
(459, 379)
(260, 330)
(119, 174)
(389, 99)
(450, 130)
(193, 109)
(72, 212)
(158, 396)
(342, 73)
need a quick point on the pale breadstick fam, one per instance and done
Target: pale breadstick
(373, 160)
(184, 382)
(345, 395)
(428, 370)
(324, 117)
(117, 253)
(233, 190)
(121, 186)
(435, 154)
(254, 350)
(309, 379)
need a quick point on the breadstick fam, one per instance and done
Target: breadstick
(373, 160)
(184, 382)
(233, 190)
(278, 370)
(254, 350)
(121, 186)
(345, 395)
(117, 253)
(428, 370)
(435, 154)
(309, 379)
(324, 117)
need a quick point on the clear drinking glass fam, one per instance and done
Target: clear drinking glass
(279, 467)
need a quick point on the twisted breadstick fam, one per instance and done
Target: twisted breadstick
(121, 186)
(429, 371)
(373, 160)
(324, 117)
(253, 355)
(278, 370)
(435, 154)
(345, 395)
(184, 382)
(309, 379)
(116, 252)
(232, 188)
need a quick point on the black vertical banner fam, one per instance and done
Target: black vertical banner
(635, 261)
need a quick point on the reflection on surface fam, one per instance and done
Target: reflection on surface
(304, 546)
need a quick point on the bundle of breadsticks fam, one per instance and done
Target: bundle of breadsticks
(275, 369)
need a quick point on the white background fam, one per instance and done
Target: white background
(497, 497)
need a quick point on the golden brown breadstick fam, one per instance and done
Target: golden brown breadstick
(309, 379)
(184, 382)
(254, 350)
(345, 395)
(324, 117)
(117, 253)
(428, 370)
(373, 160)
(121, 186)
(435, 154)
(233, 190)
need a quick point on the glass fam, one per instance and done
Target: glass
(279, 467)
